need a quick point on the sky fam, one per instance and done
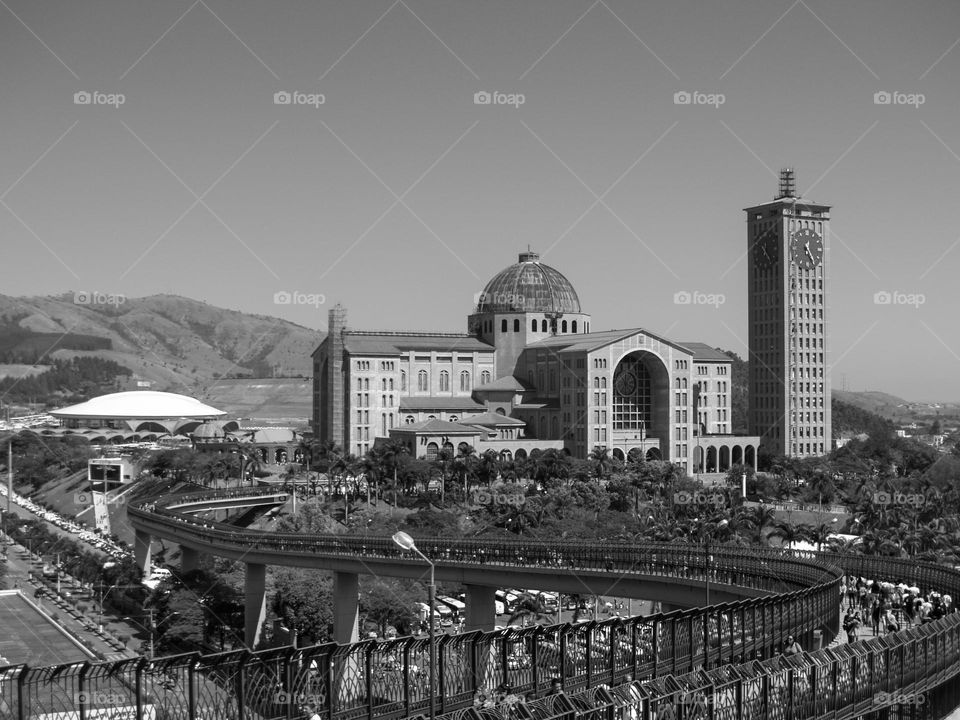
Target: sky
(148, 148)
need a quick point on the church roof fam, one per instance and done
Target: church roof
(492, 419)
(432, 402)
(394, 343)
(437, 427)
(529, 286)
(508, 382)
(702, 351)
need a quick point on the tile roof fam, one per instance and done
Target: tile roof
(492, 419)
(588, 342)
(702, 351)
(508, 382)
(394, 343)
(432, 402)
(438, 427)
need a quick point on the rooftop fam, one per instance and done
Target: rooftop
(395, 343)
(705, 353)
(140, 404)
(432, 402)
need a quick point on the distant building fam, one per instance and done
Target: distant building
(531, 358)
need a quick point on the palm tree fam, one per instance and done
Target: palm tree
(761, 517)
(601, 459)
(787, 532)
(488, 468)
(528, 608)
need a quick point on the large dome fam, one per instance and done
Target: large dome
(529, 286)
(145, 404)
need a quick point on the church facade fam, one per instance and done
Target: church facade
(529, 374)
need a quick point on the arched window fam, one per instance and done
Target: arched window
(501, 411)
(603, 382)
(465, 381)
(485, 377)
(444, 381)
(563, 326)
(543, 326)
(573, 326)
(383, 382)
(403, 379)
(409, 420)
(383, 424)
(533, 325)
(516, 325)
(423, 383)
(503, 325)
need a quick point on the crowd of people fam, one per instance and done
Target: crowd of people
(886, 607)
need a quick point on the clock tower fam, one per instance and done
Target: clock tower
(787, 271)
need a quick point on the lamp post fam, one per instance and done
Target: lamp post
(153, 626)
(407, 543)
(706, 541)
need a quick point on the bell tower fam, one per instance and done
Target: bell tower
(787, 276)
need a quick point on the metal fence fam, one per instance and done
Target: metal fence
(722, 661)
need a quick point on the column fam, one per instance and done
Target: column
(189, 559)
(141, 551)
(481, 610)
(346, 607)
(255, 603)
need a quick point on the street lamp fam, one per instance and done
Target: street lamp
(706, 541)
(153, 626)
(407, 543)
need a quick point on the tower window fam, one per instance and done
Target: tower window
(543, 326)
(563, 327)
(423, 383)
(465, 381)
(444, 381)
(573, 326)
(516, 326)
(503, 325)
(533, 325)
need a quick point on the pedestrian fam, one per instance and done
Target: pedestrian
(890, 621)
(851, 624)
(792, 647)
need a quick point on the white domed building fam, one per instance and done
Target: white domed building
(530, 374)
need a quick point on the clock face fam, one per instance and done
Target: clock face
(765, 249)
(806, 249)
(625, 383)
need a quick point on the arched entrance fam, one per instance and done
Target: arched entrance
(521, 454)
(724, 458)
(711, 459)
(654, 454)
(618, 454)
(641, 400)
(737, 458)
(432, 451)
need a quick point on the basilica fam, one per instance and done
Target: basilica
(529, 374)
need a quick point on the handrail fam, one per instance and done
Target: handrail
(726, 652)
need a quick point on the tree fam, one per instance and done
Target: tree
(304, 600)
(601, 459)
(529, 608)
(389, 602)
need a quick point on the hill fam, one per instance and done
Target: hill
(879, 403)
(176, 343)
(264, 401)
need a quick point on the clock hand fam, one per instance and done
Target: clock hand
(809, 254)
